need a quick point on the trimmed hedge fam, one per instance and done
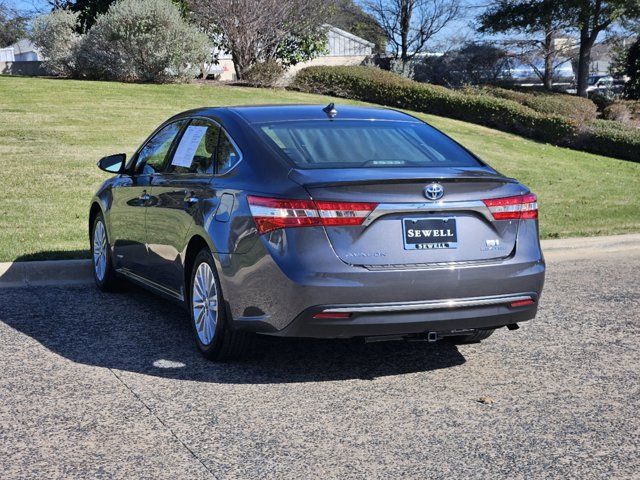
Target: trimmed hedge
(378, 86)
(625, 111)
(580, 109)
(612, 139)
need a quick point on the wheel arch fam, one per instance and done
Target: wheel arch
(196, 243)
(95, 209)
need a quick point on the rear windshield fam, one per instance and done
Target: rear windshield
(365, 144)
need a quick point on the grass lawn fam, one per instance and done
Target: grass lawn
(53, 131)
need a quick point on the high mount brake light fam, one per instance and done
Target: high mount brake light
(513, 208)
(274, 213)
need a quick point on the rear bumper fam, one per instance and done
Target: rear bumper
(409, 319)
(277, 289)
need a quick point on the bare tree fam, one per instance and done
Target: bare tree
(411, 24)
(543, 55)
(540, 23)
(253, 30)
(13, 24)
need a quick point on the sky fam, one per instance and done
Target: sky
(28, 4)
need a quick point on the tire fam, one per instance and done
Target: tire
(474, 337)
(104, 274)
(215, 338)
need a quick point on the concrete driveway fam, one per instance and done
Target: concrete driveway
(99, 385)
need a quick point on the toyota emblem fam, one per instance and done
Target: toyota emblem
(434, 191)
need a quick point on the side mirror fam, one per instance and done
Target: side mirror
(112, 163)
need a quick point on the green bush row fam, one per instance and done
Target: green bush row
(611, 138)
(580, 109)
(386, 88)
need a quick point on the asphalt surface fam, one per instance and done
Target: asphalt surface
(97, 385)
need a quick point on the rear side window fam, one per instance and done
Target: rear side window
(227, 156)
(364, 144)
(196, 150)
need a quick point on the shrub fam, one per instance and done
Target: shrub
(611, 138)
(618, 112)
(580, 109)
(601, 100)
(377, 86)
(265, 74)
(386, 88)
(55, 36)
(624, 111)
(143, 40)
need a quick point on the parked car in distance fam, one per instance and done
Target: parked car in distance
(312, 221)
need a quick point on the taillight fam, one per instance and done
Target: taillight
(513, 208)
(344, 213)
(274, 213)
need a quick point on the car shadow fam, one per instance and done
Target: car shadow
(54, 255)
(138, 332)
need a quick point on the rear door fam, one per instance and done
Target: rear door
(406, 228)
(178, 196)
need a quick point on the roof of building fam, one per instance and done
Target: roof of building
(331, 31)
(350, 36)
(23, 46)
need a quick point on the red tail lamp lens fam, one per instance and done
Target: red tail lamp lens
(274, 213)
(513, 208)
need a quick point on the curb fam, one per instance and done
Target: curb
(608, 242)
(48, 272)
(557, 250)
(79, 272)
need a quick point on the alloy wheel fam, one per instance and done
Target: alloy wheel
(100, 250)
(205, 303)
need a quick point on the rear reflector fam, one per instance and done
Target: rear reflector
(513, 208)
(521, 303)
(331, 315)
(274, 213)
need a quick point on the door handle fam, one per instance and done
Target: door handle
(190, 198)
(145, 197)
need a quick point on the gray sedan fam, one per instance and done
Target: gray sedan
(329, 222)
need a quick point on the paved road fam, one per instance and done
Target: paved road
(109, 386)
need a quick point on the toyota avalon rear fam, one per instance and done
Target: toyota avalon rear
(328, 223)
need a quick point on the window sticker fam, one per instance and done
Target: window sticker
(188, 145)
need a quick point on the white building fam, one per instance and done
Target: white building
(21, 58)
(6, 55)
(21, 51)
(343, 47)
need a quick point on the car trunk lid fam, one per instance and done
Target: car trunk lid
(406, 229)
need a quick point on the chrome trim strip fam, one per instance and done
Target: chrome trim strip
(436, 265)
(149, 283)
(432, 304)
(391, 208)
